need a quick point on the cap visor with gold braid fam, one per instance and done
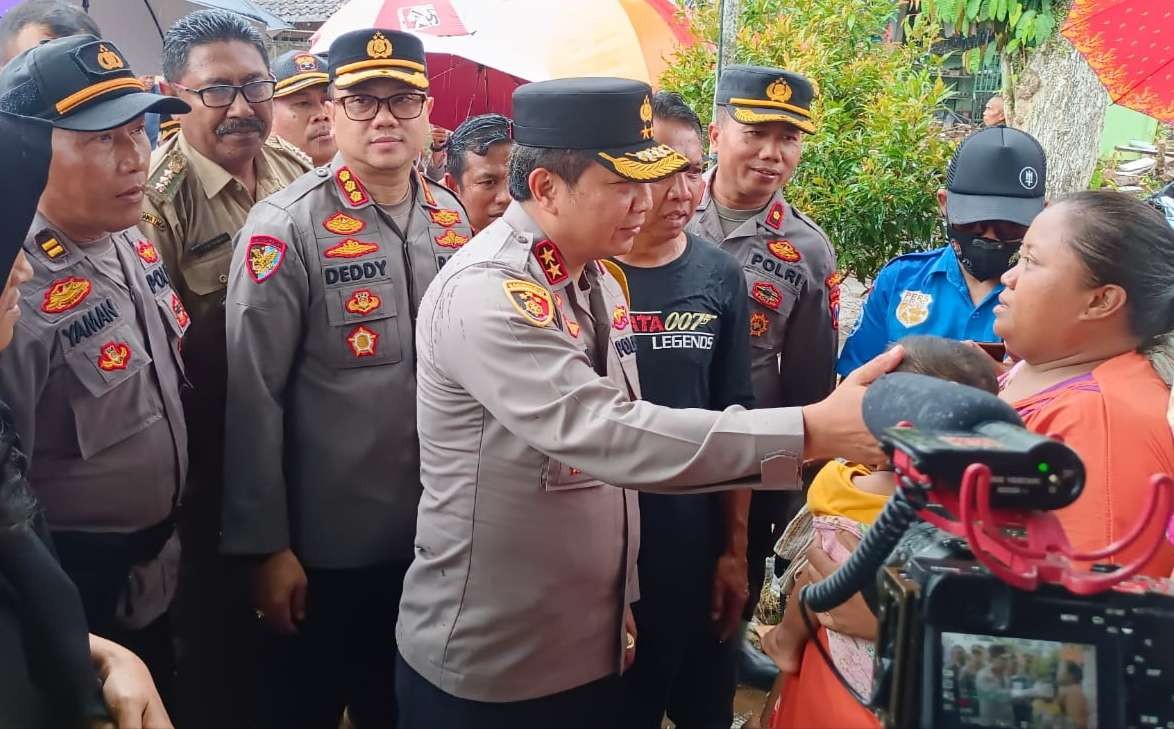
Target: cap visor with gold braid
(760, 94)
(375, 53)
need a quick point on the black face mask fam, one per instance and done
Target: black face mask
(983, 258)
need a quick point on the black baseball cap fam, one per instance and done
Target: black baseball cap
(377, 53)
(609, 116)
(79, 82)
(24, 157)
(297, 70)
(761, 94)
(996, 174)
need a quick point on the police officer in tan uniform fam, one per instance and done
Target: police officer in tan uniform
(788, 261)
(322, 469)
(94, 373)
(515, 611)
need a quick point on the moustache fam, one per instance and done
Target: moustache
(233, 126)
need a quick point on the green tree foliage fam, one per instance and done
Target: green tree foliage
(1017, 24)
(870, 173)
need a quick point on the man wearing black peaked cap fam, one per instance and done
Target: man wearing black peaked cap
(94, 373)
(515, 610)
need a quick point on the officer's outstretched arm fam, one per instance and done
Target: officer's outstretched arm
(24, 370)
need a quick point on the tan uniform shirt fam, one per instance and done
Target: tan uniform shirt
(93, 378)
(321, 452)
(525, 555)
(794, 290)
(192, 211)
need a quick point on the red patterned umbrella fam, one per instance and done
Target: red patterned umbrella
(1130, 45)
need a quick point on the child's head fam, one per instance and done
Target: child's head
(948, 359)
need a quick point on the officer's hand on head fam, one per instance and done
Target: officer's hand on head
(279, 592)
(834, 427)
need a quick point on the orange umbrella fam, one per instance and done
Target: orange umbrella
(1130, 45)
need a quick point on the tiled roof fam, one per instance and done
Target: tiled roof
(301, 11)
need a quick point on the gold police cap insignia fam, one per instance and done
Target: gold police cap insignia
(379, 46)
(779, 90)
(108, 59)
(305, 62)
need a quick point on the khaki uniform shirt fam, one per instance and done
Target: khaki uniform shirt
(321, 452)
(794, 291)
(192, 211)
(93, 376)
(525, 553)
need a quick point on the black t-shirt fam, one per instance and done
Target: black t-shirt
(690, 318)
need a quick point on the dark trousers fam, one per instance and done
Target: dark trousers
(343, 655)
(681, 667)
(423, 706)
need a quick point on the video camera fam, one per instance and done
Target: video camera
(984, 618)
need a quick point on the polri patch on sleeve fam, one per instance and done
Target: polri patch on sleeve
(264, 256)
(531, 300)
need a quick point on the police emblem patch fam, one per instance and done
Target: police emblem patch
(113, 356)
(65, 294)
(774, 218)
(447, 218)
(758, 324)
(363, 302)
(833, 284)
(531, 300)
(350, 187)
(784, 251)
(766, 294)
(379, 46)
(619, 317)
(779, 90)
(147, 251)
(451, 239)
(913, 308)
(350, 248)
(551, 260)
(263, 256)
(305, 62)
(181, 313)
(342, 224)
(108, 59)
(363, 342)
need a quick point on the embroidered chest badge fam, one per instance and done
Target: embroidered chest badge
(783, 250)
(913, 309)
(342, 224)
(362, 341)
(264, 256)
(767, 294)
(114, 356)
(759, 324)
(147, 251)
(363, 302)
(65, 294)
(451, 239)
(350, 248)
(447, 218)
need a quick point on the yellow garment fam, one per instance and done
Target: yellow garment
(832, 493)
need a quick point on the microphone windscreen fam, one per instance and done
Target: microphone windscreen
(931, 404)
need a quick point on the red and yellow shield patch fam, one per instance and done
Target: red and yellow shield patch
(531, 300)
(113, 356)
(65, 293)
(363, 342)
(758, 324)
(363, 302)
(182, 318)
(766, 294)
(451, 239)
(342, 224)
(619, 317)
(784, 251)
(447, 218)
(263, 256)
(147, 251)
(350, 248)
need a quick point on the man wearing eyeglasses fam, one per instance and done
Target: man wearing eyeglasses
(202, 183)
(322, 478)
(994, 189)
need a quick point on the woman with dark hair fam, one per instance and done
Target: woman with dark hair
(51, 672)
(1089, 310)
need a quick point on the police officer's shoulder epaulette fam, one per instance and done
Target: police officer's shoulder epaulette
(276, 142)
(286, 197)
(166, 177)
(45, 247)
(610, 268)
(799, 215)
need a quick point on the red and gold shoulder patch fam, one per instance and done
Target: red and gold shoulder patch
(65, 294)
(182, 318)
(774, 216)
(363, 342)
(429, 199)
(531, 300)
(342, 224)
(784, 251)
(551, 260)
(451, 239)
(350, 248)
(833, 283)
(147, 251)
(758, 324)
(264, 256)
(114, 356)
(363, 302)
(767, 294)
(350, 187)
(447, 218)
(619, 317)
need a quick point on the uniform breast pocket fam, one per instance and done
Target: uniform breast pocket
(207, 273)
(116, 398)
(558, 476)
(364, 321)
(771, 303)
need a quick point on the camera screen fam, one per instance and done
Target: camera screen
(990, 681)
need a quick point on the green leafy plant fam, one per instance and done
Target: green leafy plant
(1018, 25)
(870, 172)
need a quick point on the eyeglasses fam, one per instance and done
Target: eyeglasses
(222, 95)
(364, 107)
(1003, 230)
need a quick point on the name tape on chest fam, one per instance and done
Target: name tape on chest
(344, 273)
(89, 323)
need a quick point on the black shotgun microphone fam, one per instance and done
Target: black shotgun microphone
(931, 404)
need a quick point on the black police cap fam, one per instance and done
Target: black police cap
(24, 157)
(377, 53)
(297, 70)
(81, 83)
(609, 116)
(761, 94)
(996, 174)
